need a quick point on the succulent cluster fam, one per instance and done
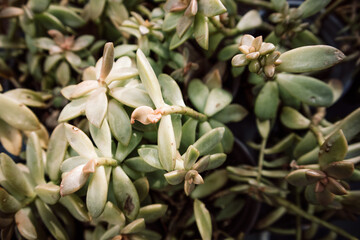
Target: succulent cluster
(145, 142)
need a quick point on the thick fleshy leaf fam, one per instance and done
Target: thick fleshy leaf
(176, 41)
(171, 20)
(171, 90)
(119, 122)
(287, 99)
(249, 21)
(72, 58)
(203, 219)
(292, 119)
(307, 89)
(50, 220)
(334, 149)
(190, 157)
(49, 21)
(28, 97)
(227, 141)
(10, 138)
(201, 31)
(149, 79)
(212, 183)
(134, 227)
(132, 96)
(140, 165)
(211, 7)
(113, 215)
(188, 132)
(231, 113)
(9, 12)
(51, 61)
(198, 93)
(271, 218)
(125, 192)
(82, 42)
(73, 180)
(76, 207)
(106, 61)
(73, 109)
(67, 16)
(152, 212)
(340, 169)
(48, 192)
(8, 204)
(96, 106)
(24, 224)
(267, 101)
(303, 177)
(309, 58)
(263, 128)
(183, 25)
(14, 176)
(150, 155)
(216, 101)
(142, 187)
(45, 43)
(96, 196)
(325, 197)
(209, 140)
(17, 114)
(63, 74)
(123, 151)
(102, 138)
(79, 141)
(175, 177)
(96, 8)
(166, 143)
(34, 158)
(83, 88)
(72, 162)
(311, 7)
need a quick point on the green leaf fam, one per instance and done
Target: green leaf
(292, 119)
(209, 140)
(171, 90)
(212, 183)
(152, 212)
(123, 151)
(228, 139)
(96, 106)
(307, 89)
(67, 16)
(263, 128)
(211, 8)
(63, 74)
(119, 122)
(249, 21)
(76, 207)
(125, 192)
(190, 157)
(140, 165)
(267, 101)
(102, 138)
(48, 192)
(149, 79)
(8, 204)
(184, 24)
(14, 176)
(176, 41)
(150, 155)
(203, 220)
(198, 93)
(24, 224)
(49, 21)
(34, 160)
(175, 177)
(38, 6)
(17, 114)
(50, 220)
(166, 143)
(231, 113)
(96, 8)
(96, 196)
(82, 42)
(125, 50)
(73, 59)
(10, 12)
(112, 215)
(132, 96)
(309, 58)
(201, 31)
(340, 169)
(311, 7)
(287, 99)
(134, 227)
(10, 138)
(107, 60)
(228, 52)
(271, 218)
(142, 187)
(80, 142)
(73, 109)
(278, 4)
(51, 61)
(217, 100)
(73, 180)
(188, 132)
(171, 20)
(334, 149)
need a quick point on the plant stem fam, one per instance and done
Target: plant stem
(261, 159)
(298, 217)
(318, 134)
(184, 111)
(226, 31)
(107, 162)
(283, 202)
(258, 3)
